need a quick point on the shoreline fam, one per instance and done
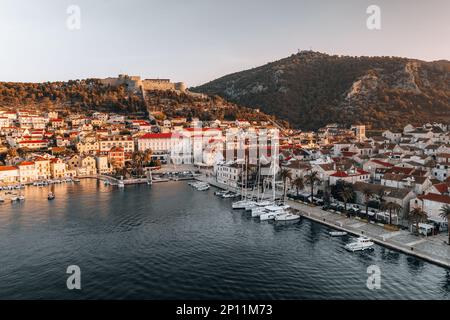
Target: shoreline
(339, 222)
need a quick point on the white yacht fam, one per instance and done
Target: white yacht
(361, 244)
(287, 217)
(241, 204)
(203, 188)
(271, 212)
(337, 233)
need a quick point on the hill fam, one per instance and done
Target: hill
(91, 95)
(311, 89)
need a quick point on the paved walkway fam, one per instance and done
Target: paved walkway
(433, 248)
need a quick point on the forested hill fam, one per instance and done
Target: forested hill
(91, 95)
(311, 89)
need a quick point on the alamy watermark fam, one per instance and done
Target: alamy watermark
(373, 22)
(374, 279)
(73, 21)
(74, 280)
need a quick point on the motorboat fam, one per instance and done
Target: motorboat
(230, 195)
(337, 233)
(51, 196)
(287, 217)
(121, 184)
(272, 211)
(21, 198)
(203, 188)
(242, 204)
(361, 244)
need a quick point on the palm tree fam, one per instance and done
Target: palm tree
(392, 207)
(346, 193)
(445, 214)
(285, 175)
(416, 216)
(380, 197)
(368, 194)
(298, 183)
(311, 179)
(148, 155)
(137, 159)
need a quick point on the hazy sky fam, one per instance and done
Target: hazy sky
(198, 40)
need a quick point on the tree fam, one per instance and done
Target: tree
(137, 159)
(445, 214)
(311, 179)
(298, 183)
(392, 207)
(346, 193)
(368, 194)
(285, 175)
(380, 198)
(416, 216)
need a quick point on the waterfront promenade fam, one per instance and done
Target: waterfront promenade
(433, 248)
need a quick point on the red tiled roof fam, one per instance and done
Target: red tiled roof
(7, 168)
(26, 163)
(436, 198)
(157, 136)
(340, 174)
(441, 187)
(383, 163)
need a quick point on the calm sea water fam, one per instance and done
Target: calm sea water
(169, 241)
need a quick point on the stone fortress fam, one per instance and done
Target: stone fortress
(136, 83)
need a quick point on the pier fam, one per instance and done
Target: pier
(433, 249)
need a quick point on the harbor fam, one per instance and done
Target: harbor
(433, 249)
(172, 241)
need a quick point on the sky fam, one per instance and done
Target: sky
(196, 41)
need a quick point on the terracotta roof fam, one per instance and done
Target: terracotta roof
(435, 197)
(7, 168)
(383, 163)
(340, 174)
(26, 163)
(441, 187)
(156, 136)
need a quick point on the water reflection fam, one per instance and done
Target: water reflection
(169, 241)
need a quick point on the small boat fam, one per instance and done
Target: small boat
(361, 244)
(287, 217)
(121, 184)
(2, 200)
(203, 188)
(76, 180)
(21, 198)
(271, 212)
(14, 198)
(229, 194)
(51, 196)
(337, 233)
(241, 204)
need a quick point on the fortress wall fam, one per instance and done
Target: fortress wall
(135, 82)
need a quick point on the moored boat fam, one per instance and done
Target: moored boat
(361, 244)
(287, 217)
(337, 233)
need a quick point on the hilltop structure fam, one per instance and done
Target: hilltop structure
(136, 83)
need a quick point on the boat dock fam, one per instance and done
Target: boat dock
(433, 249)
